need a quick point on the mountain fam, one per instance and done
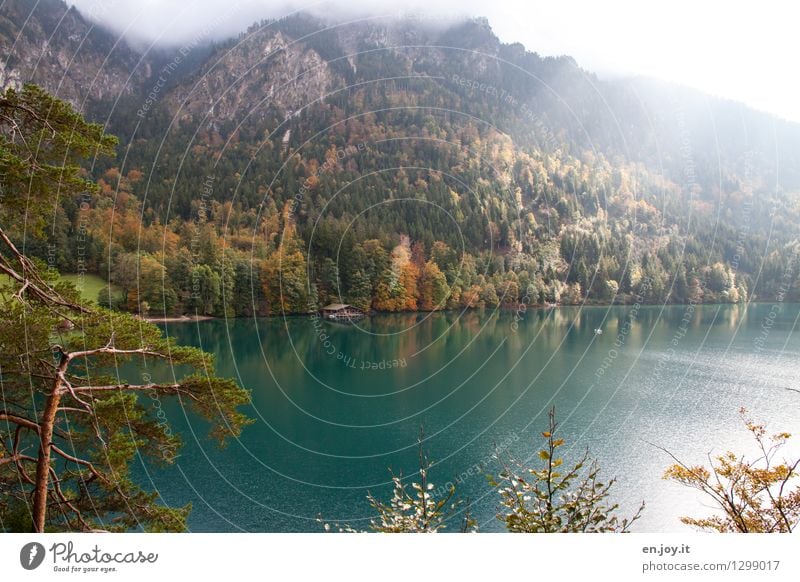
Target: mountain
(47, 43)
(378, 153)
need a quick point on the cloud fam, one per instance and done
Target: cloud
(176, 22)
(733, 49)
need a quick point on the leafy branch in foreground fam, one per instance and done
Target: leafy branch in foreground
(754, 496)
(551, 499)
(415, 509)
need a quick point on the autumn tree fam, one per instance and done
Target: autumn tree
(72, 422)
(758, 495)
(446, 259)
(554, 497)
(397, 288)
(433, 290)
(408, 283)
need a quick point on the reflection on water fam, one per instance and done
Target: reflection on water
(338, 404)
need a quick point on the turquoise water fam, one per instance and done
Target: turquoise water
(337, 405)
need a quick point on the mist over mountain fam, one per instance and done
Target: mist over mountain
(315, 138)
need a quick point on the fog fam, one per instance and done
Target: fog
(738, 50)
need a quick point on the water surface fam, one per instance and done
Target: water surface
(337, 405)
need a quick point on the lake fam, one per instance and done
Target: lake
(337, 405)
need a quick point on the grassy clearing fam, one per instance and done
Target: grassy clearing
(87, 285)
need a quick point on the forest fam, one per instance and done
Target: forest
(552, 230)
(258, 183)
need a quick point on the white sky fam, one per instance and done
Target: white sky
(747, 51)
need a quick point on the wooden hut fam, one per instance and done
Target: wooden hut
(341, 311)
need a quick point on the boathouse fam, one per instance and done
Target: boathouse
(341, 311)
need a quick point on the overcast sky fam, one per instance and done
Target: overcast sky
(746, 51)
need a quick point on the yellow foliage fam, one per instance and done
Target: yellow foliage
(753, 496)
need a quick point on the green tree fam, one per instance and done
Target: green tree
(179, 270)
(69, 430)
(125, 275)
(244, 288)
(433, 290)
(556, 498)
(109, 298)
(40, 156)
(154, 287)
(610, 289)
(446, 259)
(360, 292)
(206, 290)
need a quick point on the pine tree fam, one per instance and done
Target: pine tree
(86, 427)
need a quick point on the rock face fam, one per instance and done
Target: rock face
(286, 65)
(264, 68)
(277, 70)
(52, 45)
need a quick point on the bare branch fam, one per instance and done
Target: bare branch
(19, 420)
(31, 281)
(81, 462)
(114, 351)
(113, 387)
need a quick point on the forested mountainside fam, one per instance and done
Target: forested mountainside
(402, 165)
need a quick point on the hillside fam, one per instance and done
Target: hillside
(399, 165)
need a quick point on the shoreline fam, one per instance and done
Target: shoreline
(176, 318)
(509, 308)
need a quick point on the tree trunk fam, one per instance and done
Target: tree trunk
(43, 462)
